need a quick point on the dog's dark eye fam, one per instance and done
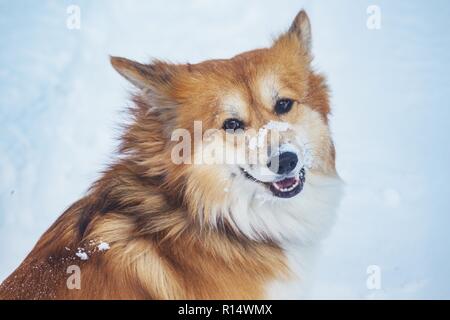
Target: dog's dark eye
(233, 124)
(283, 106)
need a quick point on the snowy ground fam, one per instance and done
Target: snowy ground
(60, 103)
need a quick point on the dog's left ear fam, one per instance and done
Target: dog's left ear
(301, 28)
(155, 76)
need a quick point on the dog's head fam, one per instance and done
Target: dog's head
(245, 140)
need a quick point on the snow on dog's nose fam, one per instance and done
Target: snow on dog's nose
(283, 163)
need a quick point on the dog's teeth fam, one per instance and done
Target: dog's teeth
(296, 183)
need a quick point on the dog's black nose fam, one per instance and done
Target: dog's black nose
(283, 163)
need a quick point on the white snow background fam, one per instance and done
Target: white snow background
(61, 103)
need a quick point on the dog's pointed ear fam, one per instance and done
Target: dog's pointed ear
(301, 28)
(143, 76)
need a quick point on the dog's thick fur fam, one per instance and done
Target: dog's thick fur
(172, 232)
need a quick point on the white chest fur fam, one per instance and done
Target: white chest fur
(301, 262)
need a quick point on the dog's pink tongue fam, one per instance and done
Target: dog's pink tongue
(286, 183)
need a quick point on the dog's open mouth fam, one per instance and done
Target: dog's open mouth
(285, 188)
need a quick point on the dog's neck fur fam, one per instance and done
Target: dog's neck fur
(192, 259)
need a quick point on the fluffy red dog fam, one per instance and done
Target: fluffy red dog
(155, 228)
